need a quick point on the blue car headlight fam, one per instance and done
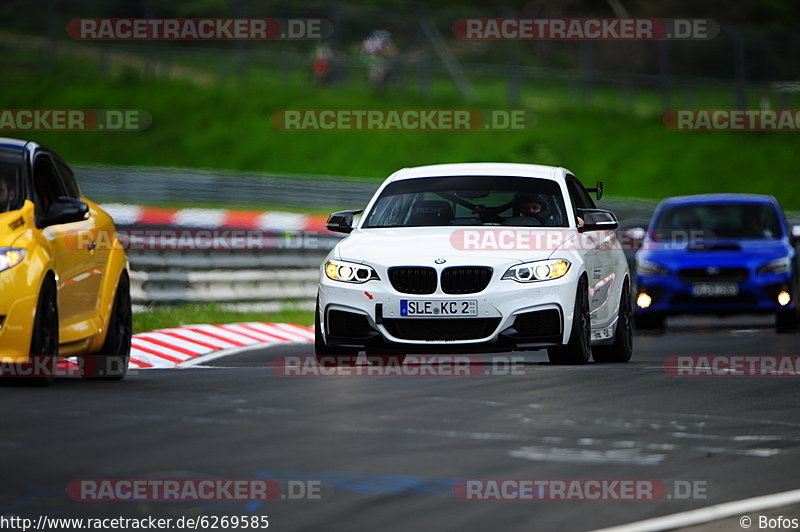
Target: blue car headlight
(781, 265)
(10, 257)
(646, 268)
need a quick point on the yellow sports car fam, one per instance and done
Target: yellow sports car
(61, 294)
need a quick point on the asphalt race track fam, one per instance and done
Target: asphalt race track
(386, 452)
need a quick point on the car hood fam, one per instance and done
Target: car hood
(457, 246)
(748, 253)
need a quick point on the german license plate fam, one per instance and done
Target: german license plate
(438, 308)
(715, 289)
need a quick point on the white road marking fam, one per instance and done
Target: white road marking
(611, 456)
(709, 513)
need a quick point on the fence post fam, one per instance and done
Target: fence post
(423, 64)
(513, 70)
(149, 44)
(663, 75)
(453, 67)
(52, 55)
(241, 56)
(740, 96)
(629, 95)
(588, 73)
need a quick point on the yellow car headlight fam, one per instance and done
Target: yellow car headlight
(349, 272)
(10, 257)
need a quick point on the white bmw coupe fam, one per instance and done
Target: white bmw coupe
(476, 258)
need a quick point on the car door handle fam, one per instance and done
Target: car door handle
(91, 246)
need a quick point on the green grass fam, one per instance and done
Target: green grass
(175, 316)
(227, 126)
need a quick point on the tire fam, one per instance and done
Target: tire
(44, 338)
(649, 322)
(622, 347)
(330, 356)
(579, 348)
(111, 362)
(385, 360)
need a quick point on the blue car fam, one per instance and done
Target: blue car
(718, 254)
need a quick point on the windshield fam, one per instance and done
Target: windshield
(10, 190)
(469, 200)
(718, 220)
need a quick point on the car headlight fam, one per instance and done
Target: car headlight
(782, 265)
(349, 272)
(540, 270)
(645, 267)
(10, 257)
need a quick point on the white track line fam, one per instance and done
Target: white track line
(266, 338)
(274, 328)
(219, 354)
(191, 336)
(709, 513)
(219, 330)
(181, 346)
(155, 361)
(303, 332)
(177, 342)
(143, 341)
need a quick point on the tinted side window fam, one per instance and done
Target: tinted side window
(68, 179)
(581, 191)
(574, 196)
(46, 184)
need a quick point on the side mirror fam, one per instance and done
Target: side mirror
(342, 221)
(65, 210)
(796, 234)
(597, 220)
(633, 238)
(598, 190)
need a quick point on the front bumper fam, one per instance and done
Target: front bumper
(495, 328)
(17, 311)
(757, 294)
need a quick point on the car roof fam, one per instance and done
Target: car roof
(16, 144)
(470, 169)
(719, 198)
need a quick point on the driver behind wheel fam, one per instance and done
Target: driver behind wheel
(8, 192)
(533, 209)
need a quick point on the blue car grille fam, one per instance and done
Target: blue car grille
(712, 274)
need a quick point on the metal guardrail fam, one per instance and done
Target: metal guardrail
(177, 185)
(242, 276)
(223, 286)
(279, 274)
